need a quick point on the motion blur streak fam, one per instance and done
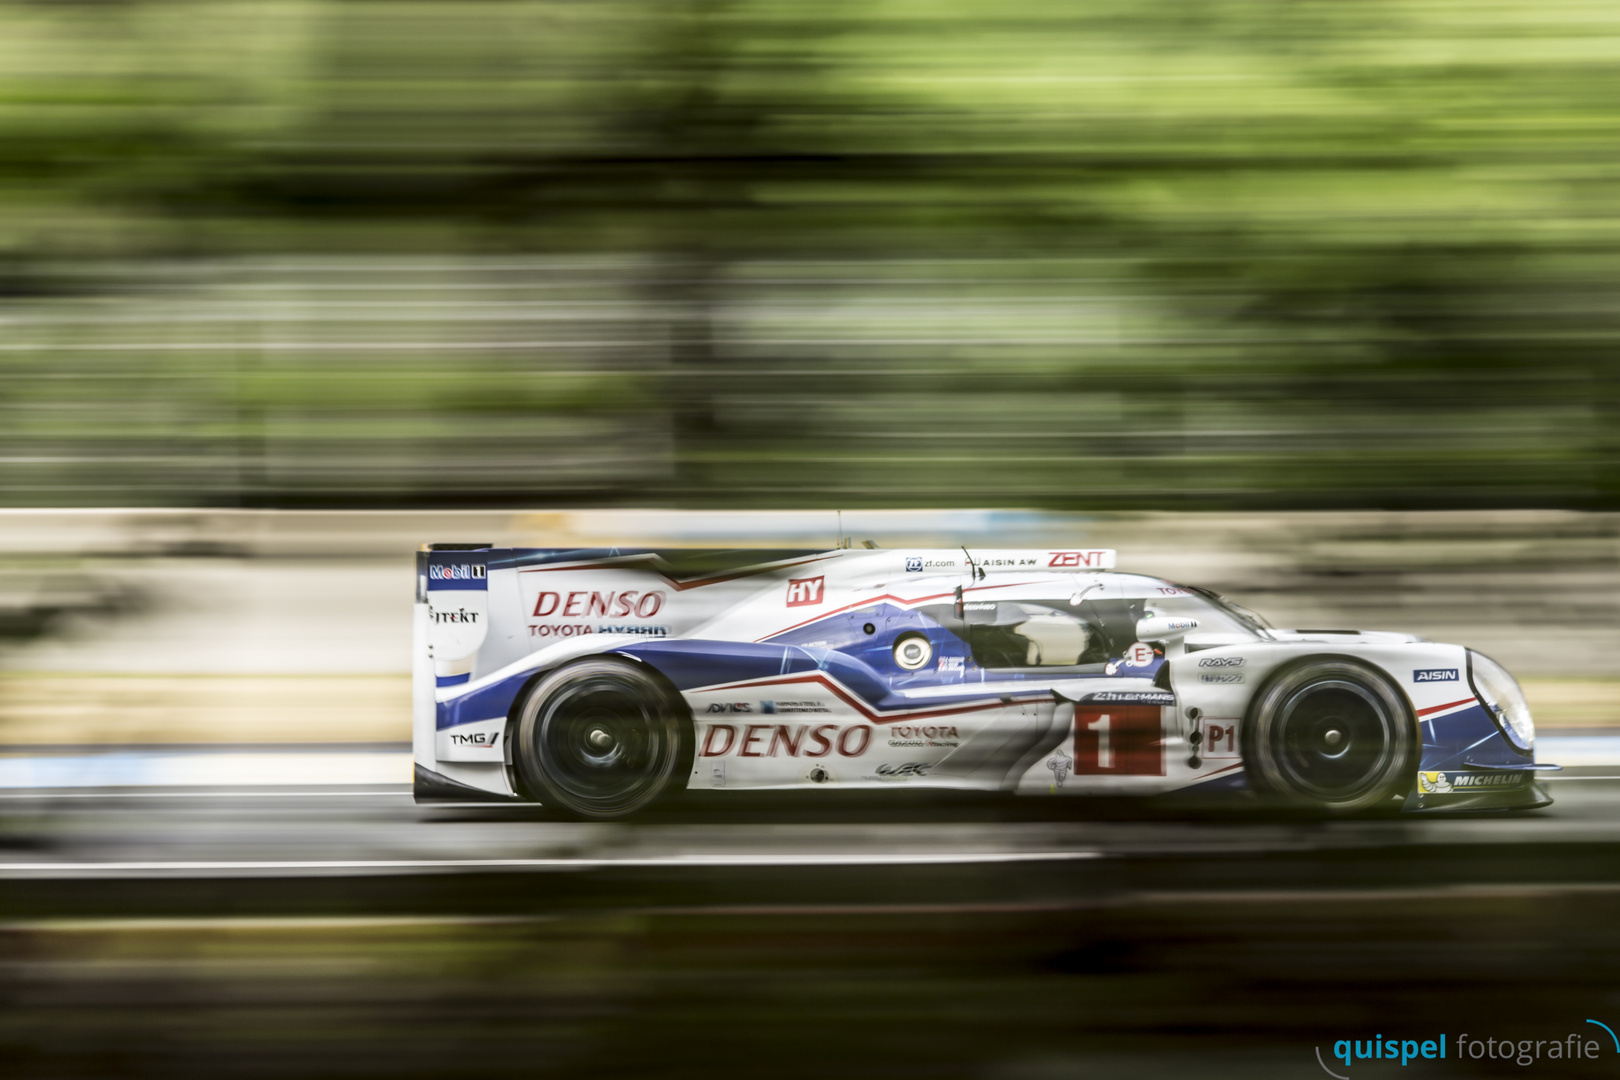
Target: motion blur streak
(301, 284)
(1216, 253)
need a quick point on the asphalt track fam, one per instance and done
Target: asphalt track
(349, 932)
(904, 847)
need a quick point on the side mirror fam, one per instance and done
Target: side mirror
(1164, 628)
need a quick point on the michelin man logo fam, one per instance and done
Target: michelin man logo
(1060, 766)
(1434, 783)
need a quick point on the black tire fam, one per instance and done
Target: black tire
(600, 739)
(1330, 733)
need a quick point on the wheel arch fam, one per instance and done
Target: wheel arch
(1294, 663)
(540, 674)
(1290, 667)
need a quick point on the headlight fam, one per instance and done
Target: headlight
(1501, 695)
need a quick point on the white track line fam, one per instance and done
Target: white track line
(384, 866)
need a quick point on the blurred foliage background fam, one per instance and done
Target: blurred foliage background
(1111, 254)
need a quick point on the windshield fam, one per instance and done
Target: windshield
(1251, 620)
(1215, 613)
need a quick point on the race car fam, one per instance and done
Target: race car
(596, 681)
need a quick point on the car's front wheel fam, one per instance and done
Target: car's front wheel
(600, 739)
(1331, 733)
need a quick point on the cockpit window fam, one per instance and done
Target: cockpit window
(1081, 636)
(1045, 633)
(1012, 635)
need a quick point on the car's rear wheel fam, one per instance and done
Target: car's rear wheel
(600, 739)
(1330, 733)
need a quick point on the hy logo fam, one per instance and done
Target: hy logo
(803, 591)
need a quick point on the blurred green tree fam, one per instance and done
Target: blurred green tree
(1228, 253)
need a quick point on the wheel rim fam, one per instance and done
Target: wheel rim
(1335, 740)
(602, 745)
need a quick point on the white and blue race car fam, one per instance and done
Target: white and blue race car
(595, 681)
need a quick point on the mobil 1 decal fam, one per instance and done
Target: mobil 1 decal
(1120, 734)
(457, 603)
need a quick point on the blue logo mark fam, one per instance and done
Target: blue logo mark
(1436, 674)
(767, 706)
(913, 564)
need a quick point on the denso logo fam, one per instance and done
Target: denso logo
(804, 591)
(460, 572)
(1221, 661)
(1076, 558)
(1438, 674)
(794, 740)
(581, 604)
